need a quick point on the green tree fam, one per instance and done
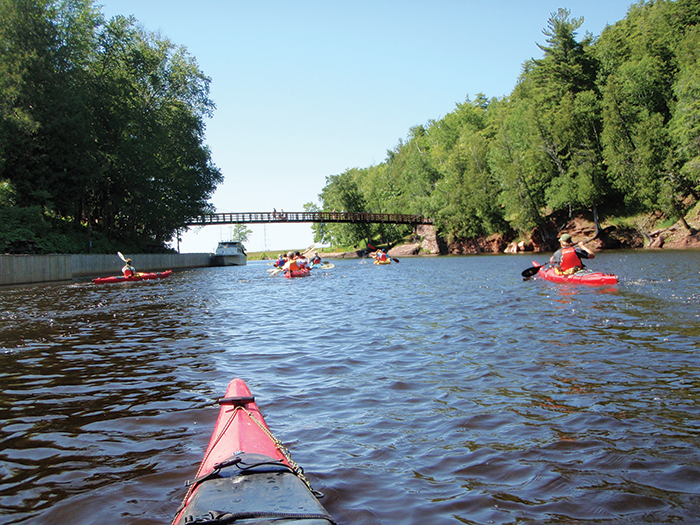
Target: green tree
(521, 168)
(159, 173)
(639, 62)
(101, 123)
(342, 194)
(565, 106)
(240, 233)
(683, 178)
(321, 230)
(465, 201)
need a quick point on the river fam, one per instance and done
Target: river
(434, 391)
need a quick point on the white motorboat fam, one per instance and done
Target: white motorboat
(230, 253)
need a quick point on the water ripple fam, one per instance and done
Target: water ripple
(446, 388)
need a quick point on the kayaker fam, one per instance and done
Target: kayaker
(568, 258)
(280, 261)
(381, 255)
(293, 263)
(128, 270)
(301, 261)
(316, 259)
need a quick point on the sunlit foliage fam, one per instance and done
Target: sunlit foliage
(605, 125)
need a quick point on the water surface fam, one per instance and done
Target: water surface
(438, 390)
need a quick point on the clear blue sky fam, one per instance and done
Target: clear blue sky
(307, 89)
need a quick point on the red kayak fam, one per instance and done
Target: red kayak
(247, 474)
(137, 277)
(581, 277)
(297, 273)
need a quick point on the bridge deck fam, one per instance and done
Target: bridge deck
(306, 216)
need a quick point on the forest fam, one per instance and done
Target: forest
(101, 132)
(102, 129)
(606, 126)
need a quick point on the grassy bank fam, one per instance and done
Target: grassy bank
(272, 254)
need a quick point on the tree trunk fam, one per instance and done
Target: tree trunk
(595, 219)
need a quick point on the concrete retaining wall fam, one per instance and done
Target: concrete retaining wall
(23, 269)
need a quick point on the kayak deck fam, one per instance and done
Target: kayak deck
(587, 277)
(247, 474)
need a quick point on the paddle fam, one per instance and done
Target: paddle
(121, 256)
(532, 271)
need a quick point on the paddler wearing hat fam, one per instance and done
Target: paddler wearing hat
(568, 257)
(128, 269)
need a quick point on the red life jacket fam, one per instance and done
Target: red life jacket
(569, 258)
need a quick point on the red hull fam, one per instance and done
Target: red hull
(582, 277)
(242, 437)
(236, 430)
(137, 277)
(297, 273)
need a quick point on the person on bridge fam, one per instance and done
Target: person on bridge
(128, 269)
(568, 258)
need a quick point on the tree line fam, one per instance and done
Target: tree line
(101, 131)
(606, 125)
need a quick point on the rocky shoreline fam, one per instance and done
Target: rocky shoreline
(675, 237)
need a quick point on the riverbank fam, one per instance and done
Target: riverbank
(26, 269)
(646, 236)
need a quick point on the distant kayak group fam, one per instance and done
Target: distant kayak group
(294, 265)
(565, 266)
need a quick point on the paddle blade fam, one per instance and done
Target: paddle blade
(121, 256)
(395, 260)
(531, 271)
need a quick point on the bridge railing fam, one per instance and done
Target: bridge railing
(306, 216)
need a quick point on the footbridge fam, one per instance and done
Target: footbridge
(306, 216)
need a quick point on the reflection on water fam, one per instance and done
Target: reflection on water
(445, 388)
